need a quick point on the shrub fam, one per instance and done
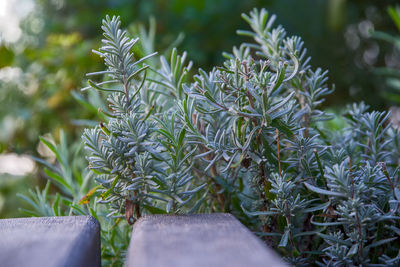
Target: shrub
(248, 138)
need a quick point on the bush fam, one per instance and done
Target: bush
(247, 138)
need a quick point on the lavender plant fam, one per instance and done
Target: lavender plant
(138, 154)
(250, 138)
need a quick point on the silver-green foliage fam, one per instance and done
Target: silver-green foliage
(139, 153)
(250, 138)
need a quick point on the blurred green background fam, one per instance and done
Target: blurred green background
(45, 51)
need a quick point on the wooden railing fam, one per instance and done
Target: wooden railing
(50, 241)
(205, 240)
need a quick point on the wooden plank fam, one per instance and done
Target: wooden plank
(203, 240)
(50, 242)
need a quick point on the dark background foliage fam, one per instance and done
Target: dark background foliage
(336, 31)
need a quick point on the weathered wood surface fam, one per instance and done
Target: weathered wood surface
(50, 242)
(204, 240)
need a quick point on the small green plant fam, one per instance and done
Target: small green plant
(248, 137)
(68, 188)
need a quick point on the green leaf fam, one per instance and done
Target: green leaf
(318, 207)
(137, 72)
(323, 191)
(169, 206)
(97, 87)
(56, 205)
(93, 213)
(380, 243)
(309, 233)
(245, 33)
(81, 100)
(282, 127)
(144, 58)
(394, 13)
(335, 239)
(60, 180)
(198, 203)
(154, 210)
(280, 77)
(321, 170)
(181, 137)
(258, 213)
(51, 146)
(78, 209)
(30, 201)
(108, 192)
(285, 238)
(261, 234)
(29, 213)
(193, 191)
(353, 250)
(336, 223)
(250, 138)
(281, 103)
